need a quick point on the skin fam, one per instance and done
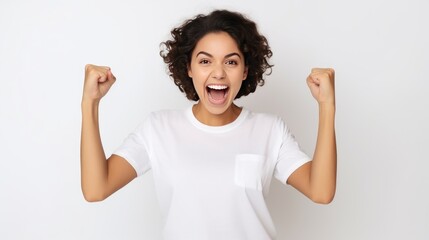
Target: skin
(216, 60)
(99, 178)
(317, 179)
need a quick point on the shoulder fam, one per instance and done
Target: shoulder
(271, 120)
(265, 117)
(165, 114)
(160, 119)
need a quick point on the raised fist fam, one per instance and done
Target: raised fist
(98, 80)
(321, 83)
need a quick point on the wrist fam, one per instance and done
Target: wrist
(90, 107)
(327, 111)
(327, 106)
(90, 102)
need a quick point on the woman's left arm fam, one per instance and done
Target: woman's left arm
(317, 178)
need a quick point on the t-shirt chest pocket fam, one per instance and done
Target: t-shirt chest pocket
(249, 171)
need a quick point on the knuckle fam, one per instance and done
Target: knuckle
(91, 70)
(88, 66)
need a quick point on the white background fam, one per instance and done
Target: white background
(379, 49)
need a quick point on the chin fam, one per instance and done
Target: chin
(216, 109)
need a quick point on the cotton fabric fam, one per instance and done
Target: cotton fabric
(211, 182)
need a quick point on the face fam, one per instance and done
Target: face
(217, 70)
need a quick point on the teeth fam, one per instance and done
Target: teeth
(217, 87)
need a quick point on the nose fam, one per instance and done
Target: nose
(218, 72)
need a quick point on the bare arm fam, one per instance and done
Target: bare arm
(317, 179)
(99, 178)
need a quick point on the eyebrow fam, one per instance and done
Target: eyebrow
(226, 56)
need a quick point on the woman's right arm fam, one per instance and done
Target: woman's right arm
(99, 177)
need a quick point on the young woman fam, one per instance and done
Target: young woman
(213, 162)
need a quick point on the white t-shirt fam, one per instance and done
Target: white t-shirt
(211, 182)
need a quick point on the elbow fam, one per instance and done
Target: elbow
(324, 199)
(93, 196)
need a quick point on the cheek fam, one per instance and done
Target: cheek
(199, 77)
(236, 85)
(198, 85)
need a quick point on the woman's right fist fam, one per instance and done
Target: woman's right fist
(98, 80)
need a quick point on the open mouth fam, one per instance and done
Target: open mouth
(217, 93)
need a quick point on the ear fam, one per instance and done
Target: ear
(246, 69)
(189, 71)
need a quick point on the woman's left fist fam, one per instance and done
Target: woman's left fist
(321, 82)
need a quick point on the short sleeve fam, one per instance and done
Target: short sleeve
(291, 156)
(134, 149)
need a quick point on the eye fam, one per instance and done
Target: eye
(231, 62)
(204, 61)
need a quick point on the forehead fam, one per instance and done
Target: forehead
(217, 43)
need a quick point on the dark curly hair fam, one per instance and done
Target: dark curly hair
(177, 53)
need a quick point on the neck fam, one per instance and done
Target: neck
(210, 119)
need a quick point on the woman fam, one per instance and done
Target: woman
(213, 162)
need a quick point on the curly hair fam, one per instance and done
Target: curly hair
(177, 53)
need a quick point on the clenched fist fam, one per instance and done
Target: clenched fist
(321, 83)
(98, 80)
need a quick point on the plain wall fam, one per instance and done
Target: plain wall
(379, 49)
